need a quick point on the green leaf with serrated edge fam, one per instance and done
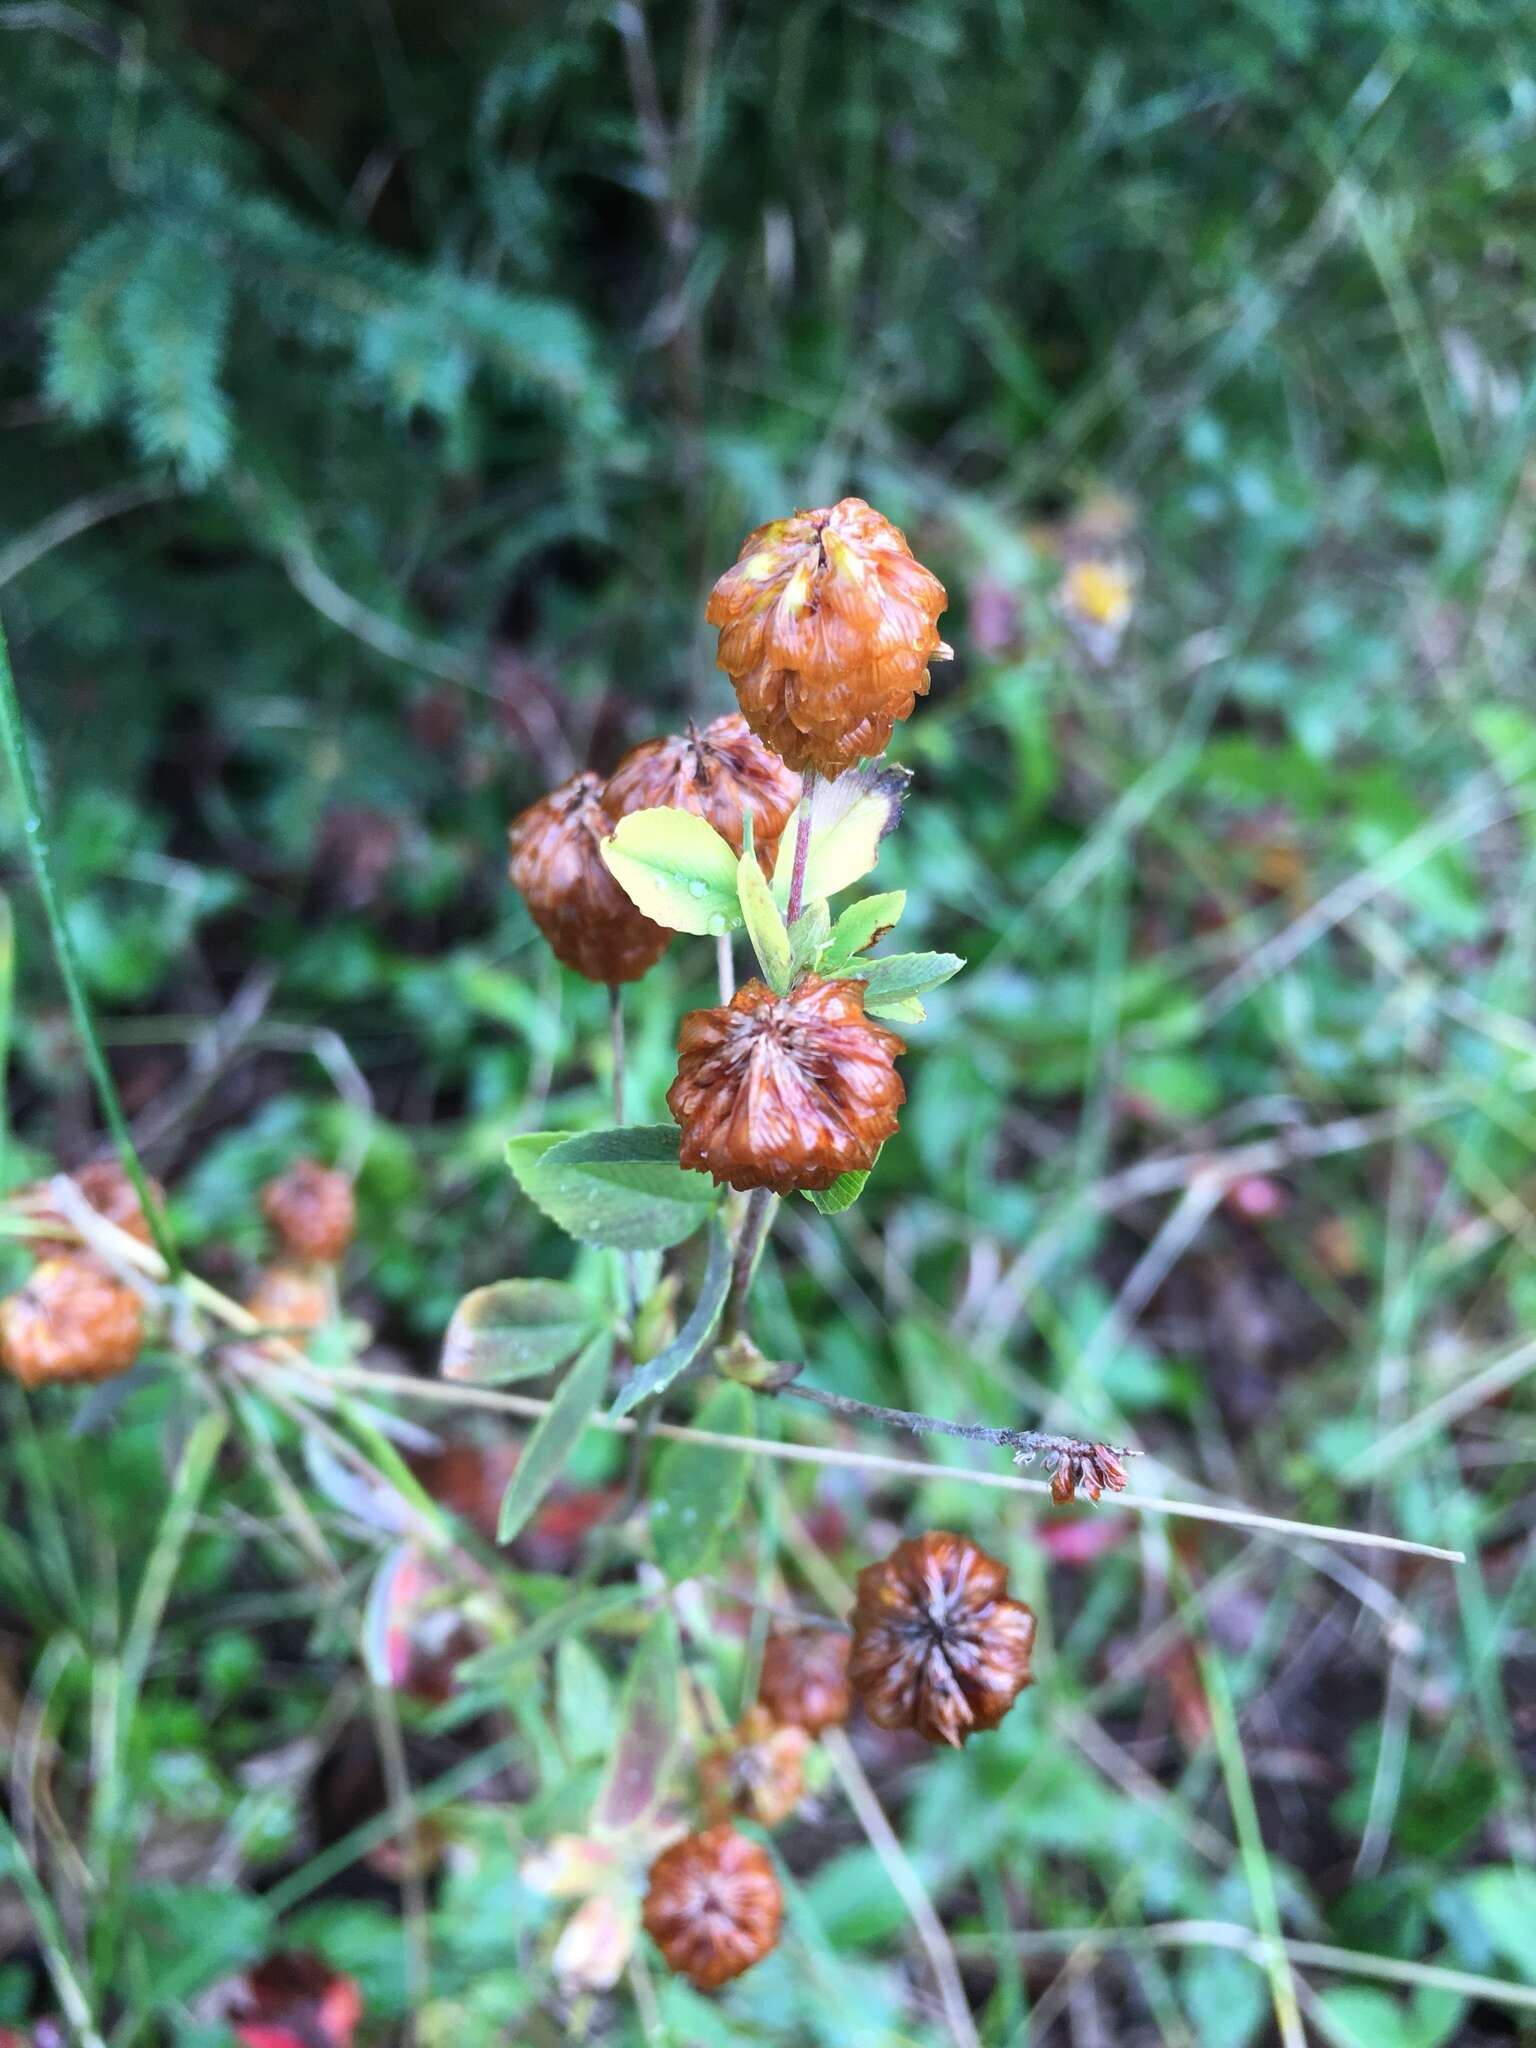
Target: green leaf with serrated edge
(842, 1194)
(514, 1329)
(555, 1436)
(762, 916)
(622, 1188)
(808, 937)
(661, 1371)
(650, 1723)
(903, 974)
(698, 1488)
(677, 868)
(897, 1010)
(860, 925)
(849, 818)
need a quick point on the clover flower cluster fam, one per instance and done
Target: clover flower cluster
(76, 1319)
(827, 625)
(935, 1645)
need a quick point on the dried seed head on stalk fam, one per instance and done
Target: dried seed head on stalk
(827, 626)
(312, 1210)
(804, 1681)
(723, 774)
(1093, 1469)
(558, 867)
(713, 1906)
(110, 1192)
(937, 1644)
(785, 1092)
(756, 1770)
(73, 1320)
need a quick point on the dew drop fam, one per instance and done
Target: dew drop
(698, 888)
(717, 925)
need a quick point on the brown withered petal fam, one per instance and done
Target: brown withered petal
(757, 1771)
(73, 1320)
(785, 1092)
(109, 1191)
(558, 867)
(723, 774)
(311, 1207)
(1092, 1468)
(713, 1906)
(937, 1644)
(804, 1681)
(827, 626)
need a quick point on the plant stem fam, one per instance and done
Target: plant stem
(755, 1225)
(725, 967)
(802, 847)
(14, 738)
(1024, 1443)
(616, 1036)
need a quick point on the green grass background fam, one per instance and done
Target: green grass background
(381, 386)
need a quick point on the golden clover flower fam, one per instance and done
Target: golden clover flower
(312, 1210)
(713, 1906)
(827, 626)
(785, 1092)
(558, 867)
(937, 1644)
(724, 774)
(73, 1320)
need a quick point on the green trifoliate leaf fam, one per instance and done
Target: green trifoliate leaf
(677, 869)
(897, 1010)
(902, 974)
(515, 1329)
(849, 818)
(621, 1187)
(762, 917)
(842, 1194)
(808, 937)
(859, 926)
(555, 1436)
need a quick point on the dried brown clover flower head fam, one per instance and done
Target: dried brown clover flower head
(757, 1771)
(312, 1210)
(723, 773)
(827, 626)
(290, 1300)
(785, 1092)
(1093, 1469)
(804, 1682)
(73, 1320)
(110, 1193)
(937, 1644)
(558, 867)
(713, 1906)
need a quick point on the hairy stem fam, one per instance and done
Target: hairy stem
(802, 847)
(1024, 1443)
(13, 737)
(755, 1225)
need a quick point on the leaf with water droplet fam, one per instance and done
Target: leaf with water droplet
(619, 1187)
(675, 867)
